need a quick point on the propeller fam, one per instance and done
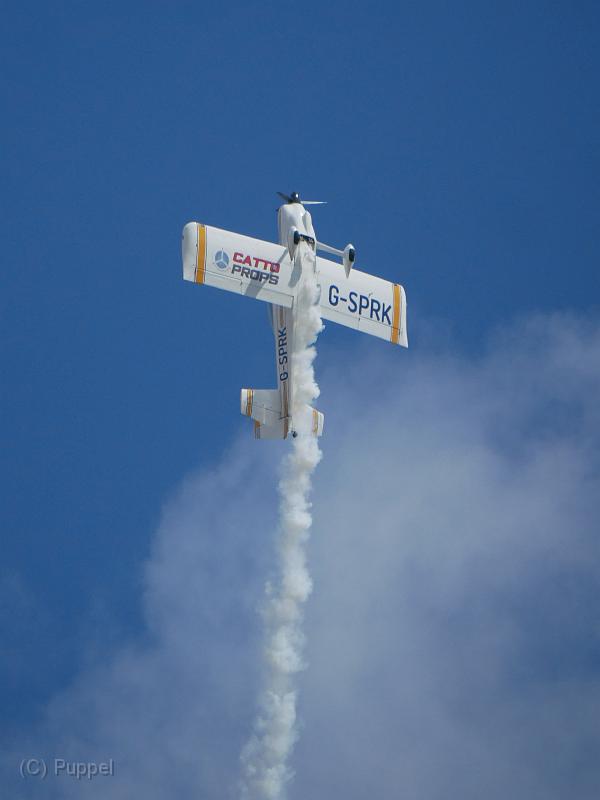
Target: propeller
(294, 197)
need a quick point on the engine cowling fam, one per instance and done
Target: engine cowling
(348, 258)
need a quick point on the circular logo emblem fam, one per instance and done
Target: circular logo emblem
(221, 259)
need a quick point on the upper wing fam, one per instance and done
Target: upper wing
(237, 263)
(363, 302)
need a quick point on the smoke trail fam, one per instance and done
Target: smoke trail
(265, 757)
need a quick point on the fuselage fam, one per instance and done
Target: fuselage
(290, 216)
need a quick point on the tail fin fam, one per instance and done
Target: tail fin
(264, 407)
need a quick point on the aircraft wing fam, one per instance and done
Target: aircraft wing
(263, 270)
(363, 302)
(237, 263)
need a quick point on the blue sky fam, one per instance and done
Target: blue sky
(457, 146)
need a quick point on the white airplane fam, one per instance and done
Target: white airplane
(270, 272)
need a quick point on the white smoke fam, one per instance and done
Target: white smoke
(454, 633)
(265, 758)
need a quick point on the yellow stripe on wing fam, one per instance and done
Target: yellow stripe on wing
(395, 336)
(201, 254)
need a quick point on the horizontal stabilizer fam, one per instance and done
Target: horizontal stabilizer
(317, 420)
(281, 430)
(263, 405)
(278, 431)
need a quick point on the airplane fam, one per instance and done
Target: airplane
(271, 272)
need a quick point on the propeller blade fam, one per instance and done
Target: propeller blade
(294, 198)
